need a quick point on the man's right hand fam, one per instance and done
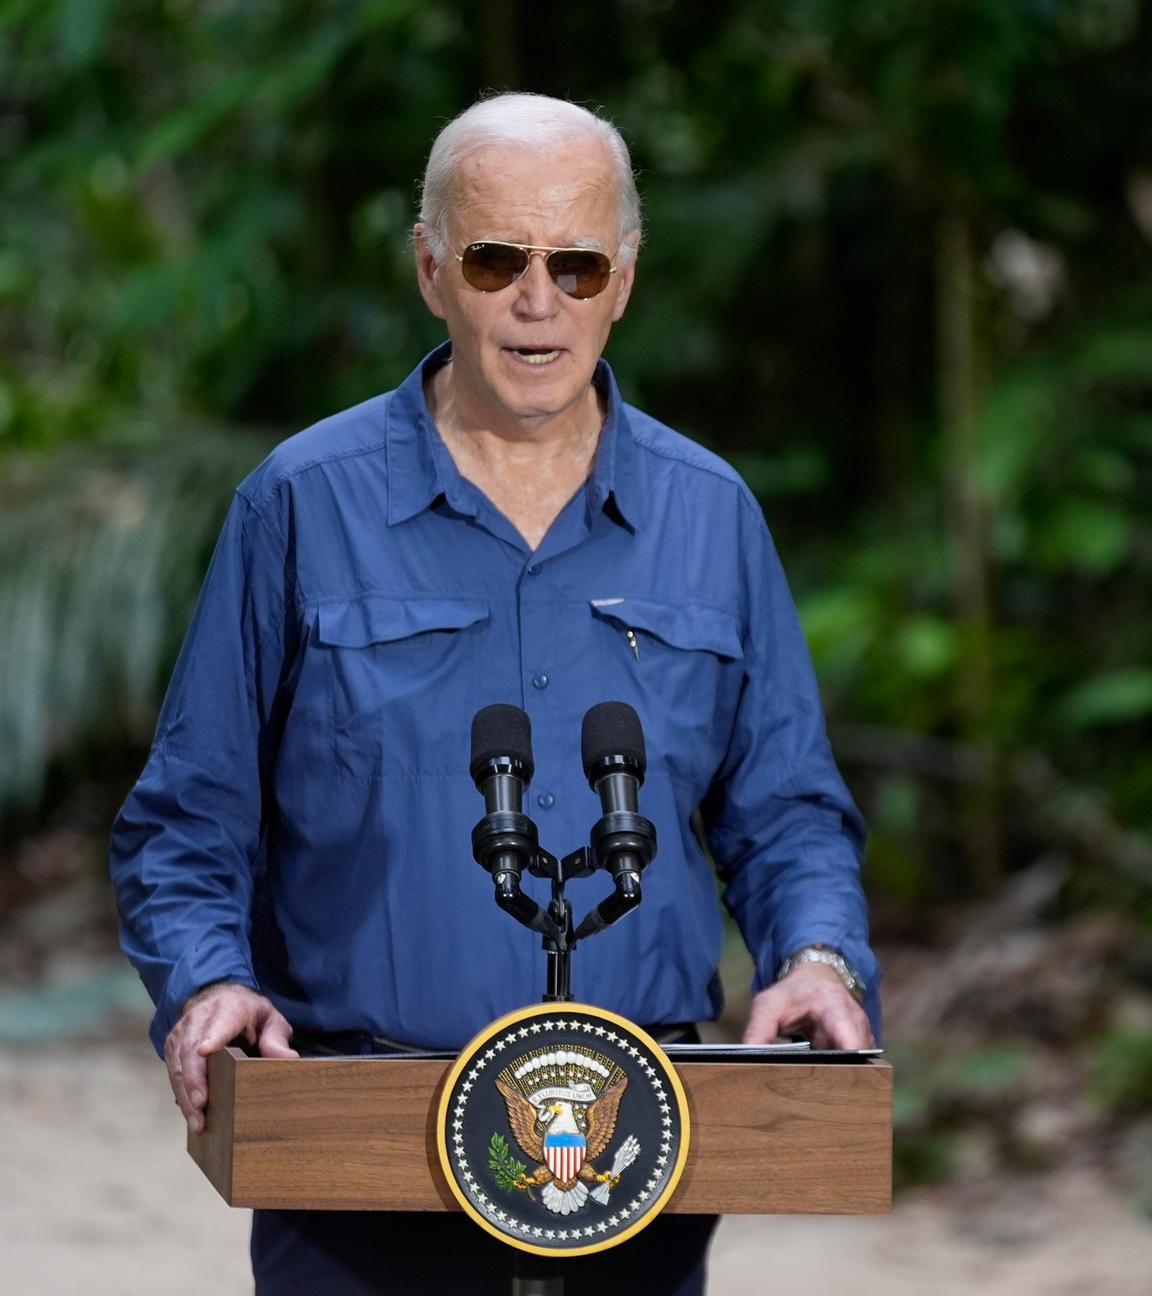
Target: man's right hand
(211, 1020)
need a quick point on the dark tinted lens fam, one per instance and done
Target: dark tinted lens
(492, 266)
(578, 273)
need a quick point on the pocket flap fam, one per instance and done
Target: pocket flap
(690, 626)
(383, 619)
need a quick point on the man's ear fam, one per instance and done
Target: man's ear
(427, 270)
(626, 274)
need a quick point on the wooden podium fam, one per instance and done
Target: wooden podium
(325, 1133)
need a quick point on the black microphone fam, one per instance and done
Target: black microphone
(501, 765)
(623, 841)
(505, 841)
(612, 749)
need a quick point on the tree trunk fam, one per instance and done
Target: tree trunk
(959, 386)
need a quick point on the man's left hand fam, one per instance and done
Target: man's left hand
(813, 1001)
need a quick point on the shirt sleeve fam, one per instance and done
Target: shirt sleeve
(186, 841)
(786, 835)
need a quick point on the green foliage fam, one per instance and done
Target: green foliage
(1115, 698)
(204, 215)
(504, 1166)
(895, 866)
(929, 1158)
(1122, 1072)
(941, 1096)
(195, 195)
(101, 554)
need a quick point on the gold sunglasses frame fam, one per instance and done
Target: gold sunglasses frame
(533, 249)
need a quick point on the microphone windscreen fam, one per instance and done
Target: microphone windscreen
(501, 730)
(611, 729)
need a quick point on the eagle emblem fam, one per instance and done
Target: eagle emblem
(562, 1129)
(562, 1108)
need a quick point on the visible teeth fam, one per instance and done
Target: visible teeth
(538, 357)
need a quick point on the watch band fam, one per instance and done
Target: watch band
(853, 982)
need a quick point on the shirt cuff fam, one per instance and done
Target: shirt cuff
(212, 959)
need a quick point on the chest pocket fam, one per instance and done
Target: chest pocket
(686, 626)
(395, 669)
(681, 665)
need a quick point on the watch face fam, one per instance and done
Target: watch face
(563, 1129)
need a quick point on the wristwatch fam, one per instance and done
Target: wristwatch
(832, 958)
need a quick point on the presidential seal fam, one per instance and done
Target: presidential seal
(563, 1129)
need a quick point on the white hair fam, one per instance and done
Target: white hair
(530, 120)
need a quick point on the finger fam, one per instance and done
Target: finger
(201, 1040)
(854, 1030)
(864, 1036)
(844, 1027)
(195, 1068)
(763, 1021)
(196, 1073)
(274, 1038)
(174, 1061)
(225, 1025)
(187, 1076)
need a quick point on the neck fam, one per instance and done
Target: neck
(528, 468)
(477, 438)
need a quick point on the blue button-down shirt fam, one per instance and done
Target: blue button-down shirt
(303, 822)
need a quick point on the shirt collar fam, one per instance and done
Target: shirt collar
(414, 478)
(417, 474)
(614, 471)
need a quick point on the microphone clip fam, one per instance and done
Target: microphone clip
(506, 843)
(622, 843)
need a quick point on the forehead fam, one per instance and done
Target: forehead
(535, 195)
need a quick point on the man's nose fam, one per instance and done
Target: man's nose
(537, 293)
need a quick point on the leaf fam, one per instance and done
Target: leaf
(927, 646)
(1083, 534)
(1115, 698)
(991, 1070)
(178, 132)
(101, 553)
(1117, 355)
(1014, 424)
(840, 623)
(503, 1165)
(1122, 1071)
(800, 470)
(82, 26)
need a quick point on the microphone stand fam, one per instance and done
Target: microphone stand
(534, 1275)
(623, 844)
(613, 834)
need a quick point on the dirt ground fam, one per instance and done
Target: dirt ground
(97, 1195)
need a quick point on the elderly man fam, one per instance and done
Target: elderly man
(501, 527)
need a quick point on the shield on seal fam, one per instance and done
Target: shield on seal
(564, 1152)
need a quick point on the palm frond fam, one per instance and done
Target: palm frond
(102, 549)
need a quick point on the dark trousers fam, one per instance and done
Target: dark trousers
(367, 1253)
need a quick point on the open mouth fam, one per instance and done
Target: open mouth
(535, 355)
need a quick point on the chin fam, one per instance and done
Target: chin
(538, 398)
(536, 408)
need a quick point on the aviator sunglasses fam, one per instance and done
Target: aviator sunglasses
(579, 272)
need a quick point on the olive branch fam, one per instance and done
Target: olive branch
(504, 1165)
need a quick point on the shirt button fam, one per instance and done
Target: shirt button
(540, 681)
(545, 800)
(533, 569)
